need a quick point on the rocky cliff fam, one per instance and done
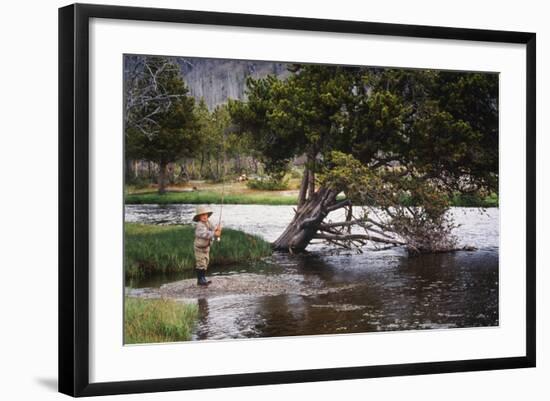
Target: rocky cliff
(217, 80)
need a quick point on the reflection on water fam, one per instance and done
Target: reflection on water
(391, 291)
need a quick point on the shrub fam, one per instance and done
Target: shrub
(296, 173)
(268, 184)
(139, 182)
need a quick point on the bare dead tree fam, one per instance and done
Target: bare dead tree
(145, 96)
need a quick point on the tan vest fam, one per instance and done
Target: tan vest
(200, 231)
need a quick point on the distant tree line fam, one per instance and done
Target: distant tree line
(169, 137)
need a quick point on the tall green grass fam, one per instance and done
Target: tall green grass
(475, 200)
(158, 320)
(462, 200)
(153, 249)
(201, 197)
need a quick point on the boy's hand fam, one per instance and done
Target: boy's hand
(218, 232)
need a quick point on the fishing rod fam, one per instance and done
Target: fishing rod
(223, 186)
(221, 208)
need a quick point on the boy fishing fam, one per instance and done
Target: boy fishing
(204, 235)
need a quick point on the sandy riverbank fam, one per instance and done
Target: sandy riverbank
(238, 285)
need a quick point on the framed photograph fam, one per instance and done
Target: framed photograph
(251, 199)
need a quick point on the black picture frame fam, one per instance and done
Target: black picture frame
(74, 198)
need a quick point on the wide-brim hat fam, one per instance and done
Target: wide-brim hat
(202, 210)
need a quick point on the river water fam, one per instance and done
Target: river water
(330, 293)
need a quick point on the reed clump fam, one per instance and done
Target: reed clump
(158, 320)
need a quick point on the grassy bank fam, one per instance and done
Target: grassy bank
(158, 320)
(152, 249)
(266, 198)
(201, 197)
(475, 201)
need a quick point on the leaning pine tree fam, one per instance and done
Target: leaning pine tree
(398, 143)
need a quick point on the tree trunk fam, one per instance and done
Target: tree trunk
(128, 172)
(201, 166)
(311, 184)
(162, 178)
(184, 172)
(307, 219)
(170, 173)
(303, 188)
(137, 166)
(210, 170)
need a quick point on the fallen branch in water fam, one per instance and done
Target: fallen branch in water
(354, 237)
